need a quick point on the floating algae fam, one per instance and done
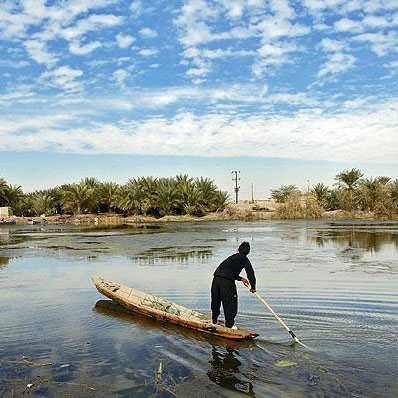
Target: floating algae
(285, 364)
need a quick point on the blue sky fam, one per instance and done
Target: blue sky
(283, 90)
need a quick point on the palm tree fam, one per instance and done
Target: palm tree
(349, 179)
(92, 184)
(3, 188)
(166, 196)
(220, 201)
(383, 180)
(321, 191)
(207, 187)
(107, 194)
(393, 186)
(148, 187)
(280, 195)
(333, 199)
(76, 197)
(44, 202)
(191, 202)
(369, 192)
(12, 195)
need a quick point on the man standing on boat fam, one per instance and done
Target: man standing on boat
(223, 289)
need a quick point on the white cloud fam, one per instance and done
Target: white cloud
(276, 51)
(37, 50)
(124, 41)
(148, 33)
(148, 52)
(64, 78)
(375, 21)
(197, 71)
(234, 8)
(337, 63)
(120, 76)
(380, 43)
(193, 52)
(330, 45)
(282, 9)
(352, 134)
(77, 49)
(348, 25)
(93, 22)
(136, 8)
(13, 64)
(273, 28)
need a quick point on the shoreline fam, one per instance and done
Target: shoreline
(112, 219)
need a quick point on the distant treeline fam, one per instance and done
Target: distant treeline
(142, 196)
(350, 192)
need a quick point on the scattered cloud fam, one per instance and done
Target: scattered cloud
(148, 33)
(148, 52)
(124, 41)
(77, 49)
(136, 8)
(64, 78)
(38, 51)
(307, 135)
(227, 66)
(337, 63)
(348, 25)
(120, 76)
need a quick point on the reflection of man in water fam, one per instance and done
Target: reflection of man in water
(225, 369)
(223, 289)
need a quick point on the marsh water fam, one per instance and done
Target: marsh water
(334, 284)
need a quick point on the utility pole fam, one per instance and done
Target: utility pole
(252, 194)
(236, 179)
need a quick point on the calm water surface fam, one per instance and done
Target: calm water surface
(334, 284)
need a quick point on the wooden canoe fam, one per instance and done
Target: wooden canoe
(163, 310)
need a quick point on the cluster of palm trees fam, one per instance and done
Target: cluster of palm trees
(352, 192)
(146, 196)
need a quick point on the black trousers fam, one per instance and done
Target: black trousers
(223, 291)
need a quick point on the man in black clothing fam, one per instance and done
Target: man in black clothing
(223, 289)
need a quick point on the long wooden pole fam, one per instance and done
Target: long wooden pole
(295, 338)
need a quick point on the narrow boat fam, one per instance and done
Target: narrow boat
(163, 310)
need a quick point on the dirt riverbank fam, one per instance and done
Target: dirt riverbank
(246, 211)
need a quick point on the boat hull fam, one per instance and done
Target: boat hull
(156, 308)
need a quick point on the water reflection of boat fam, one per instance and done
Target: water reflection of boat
(160, 309)
(225, 371)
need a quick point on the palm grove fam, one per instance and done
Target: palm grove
(141, 196)
(351, 192)
(199, 196)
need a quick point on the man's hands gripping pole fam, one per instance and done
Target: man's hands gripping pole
(247, 284)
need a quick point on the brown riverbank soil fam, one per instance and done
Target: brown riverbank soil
(244, 210)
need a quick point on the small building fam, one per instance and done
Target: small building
(6, 212)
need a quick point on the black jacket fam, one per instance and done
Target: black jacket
(231, 267)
